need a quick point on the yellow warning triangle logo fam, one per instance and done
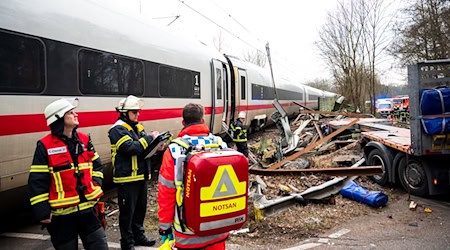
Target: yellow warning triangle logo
(224, 185)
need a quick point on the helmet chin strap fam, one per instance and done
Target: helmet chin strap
(127, 118)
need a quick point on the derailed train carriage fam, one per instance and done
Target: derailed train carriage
(52, 49)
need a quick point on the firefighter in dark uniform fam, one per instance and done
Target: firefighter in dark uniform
(129, 146)
(239, 134)
(65, 181)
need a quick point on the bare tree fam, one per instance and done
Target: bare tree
(219, 41)
(322, 84)
(423, 33)
(351, 41)
(375, 19)
(256, 57)
(339, 45)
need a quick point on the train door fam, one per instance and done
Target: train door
(242, 92)
(218, 105)
(226, 93)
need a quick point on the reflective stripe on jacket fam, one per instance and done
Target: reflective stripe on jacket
(128, 149)
(239, 132)
(56, 181)
(63, 191)
(168, 212)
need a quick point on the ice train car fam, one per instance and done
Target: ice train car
(59, 48)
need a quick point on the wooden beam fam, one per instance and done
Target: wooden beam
(303, 106)
(336, 113)
(318, 129)
(313, 145)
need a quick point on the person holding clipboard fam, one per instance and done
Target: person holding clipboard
(131, 146)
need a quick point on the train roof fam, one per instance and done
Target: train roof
(264, 76)
(86, 23)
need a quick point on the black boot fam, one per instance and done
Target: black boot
(144, 241)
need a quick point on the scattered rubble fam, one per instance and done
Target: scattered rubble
(295, 199)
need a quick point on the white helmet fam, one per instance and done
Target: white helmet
(130, 103)
(58, 108)
(241, 114)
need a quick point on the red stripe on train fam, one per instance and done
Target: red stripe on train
(30, 123)
(21, 124)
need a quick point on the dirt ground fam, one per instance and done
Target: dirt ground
(283, 229)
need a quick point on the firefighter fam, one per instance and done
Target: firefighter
(196, 132)
(129, 146)
(239, 134)
(65, 181)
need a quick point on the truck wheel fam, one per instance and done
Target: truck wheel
(376, 158)
(413, 178)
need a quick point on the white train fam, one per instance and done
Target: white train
(60, 48)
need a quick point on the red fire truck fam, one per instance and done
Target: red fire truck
(417, 158)
(401, 103)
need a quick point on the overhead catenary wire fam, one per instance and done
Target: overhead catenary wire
(218, 25)
(229, 15)
(251, 34)
(233, 34)
(165, 17)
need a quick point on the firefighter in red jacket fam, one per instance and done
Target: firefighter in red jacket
(129, 146)
(196, 132)
(65, 181)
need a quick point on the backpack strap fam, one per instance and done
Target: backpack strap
(179, 163)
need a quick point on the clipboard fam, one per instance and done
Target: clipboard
(160, 140)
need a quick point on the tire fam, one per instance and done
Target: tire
(375, 158)
(399, 159)
(413, 177)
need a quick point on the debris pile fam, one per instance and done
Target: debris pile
(294, 188)
(297, 172)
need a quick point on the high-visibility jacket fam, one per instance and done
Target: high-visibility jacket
(239, 131)
(129, 146)
(167, 213)
(61, 184)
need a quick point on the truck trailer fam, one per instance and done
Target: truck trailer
(419, 157)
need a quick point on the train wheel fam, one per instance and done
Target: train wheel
(413, 178)
(377, 158)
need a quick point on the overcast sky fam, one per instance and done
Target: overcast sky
(290, 26)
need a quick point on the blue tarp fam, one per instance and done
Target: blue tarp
(372, 198)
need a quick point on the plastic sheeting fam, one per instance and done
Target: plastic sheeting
(372, 198)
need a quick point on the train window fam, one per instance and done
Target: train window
(269, 93)
(313, 97)
(108, 74)
(243, 84)
(257, 92)
(178, 83)
(289, 95)
(21, 64)
(266, 93)
(219, 84)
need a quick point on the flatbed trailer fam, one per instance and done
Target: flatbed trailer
(420, 162)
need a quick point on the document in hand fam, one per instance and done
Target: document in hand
(158, 142)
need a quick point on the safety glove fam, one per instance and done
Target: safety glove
(166, 235)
